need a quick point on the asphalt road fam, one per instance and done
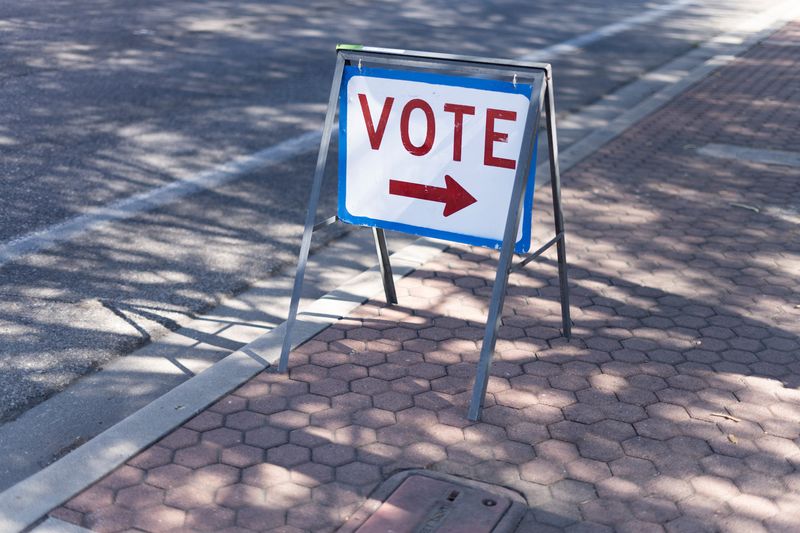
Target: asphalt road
(105, 99)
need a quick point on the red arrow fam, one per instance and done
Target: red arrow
(452, 195)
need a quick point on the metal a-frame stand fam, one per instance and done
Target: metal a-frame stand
(347, 54)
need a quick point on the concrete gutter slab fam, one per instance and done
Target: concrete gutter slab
(751, 155)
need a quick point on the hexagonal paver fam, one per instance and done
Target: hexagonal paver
(392, 401)
(348, 372)
(605, 511)
(197, 456)
(168, 476)
(542, 471)
(287, 495)
(658, 429)
(349, 402)
(265, 475)
(267, 404)
(583, 413)
(288, 455)
(139, 496)
(388, 371)
(404, 358)
(588, 470)
(255, 388)
(312, 517)
(160, 518)
(211, 518)
(369, 386)
(266, 437)
(289, 419)
(180, 438)
(328, 359)
(378, 453)
(528, 432)
(205, 421)
(240, 495)
(330, 419)
(113, 518)
(333, 454)
(542, 414)
(124, 476)
(309, 403)
(244, 420)
(483, 434)
(374, 418)
(189, 496)
(242, 455)
(328, 387)
(260, 518)
(311, 474)
(556, 398)
(599, 448)
(714, 486)
(513, 452)
(309, 373)
(634, 469)
(357, 473)
(355, 436)
(364, 334)
(229, 404)
(93, 498)
(427, 371)
(222, 436)
(568, 382)
(399, 334)
(152, 457)
(468, 454)
(613, 429)
(570, 490)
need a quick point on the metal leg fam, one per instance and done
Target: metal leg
(506, 256)
(558, 215)
(311, 214)
(386, 266)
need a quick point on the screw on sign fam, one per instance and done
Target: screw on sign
(430, 154)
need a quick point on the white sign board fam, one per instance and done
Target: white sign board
(432, 155)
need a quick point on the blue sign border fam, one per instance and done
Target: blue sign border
(521, 246)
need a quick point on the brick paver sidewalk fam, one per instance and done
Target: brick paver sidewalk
(675, 406)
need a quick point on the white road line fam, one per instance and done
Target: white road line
(148, 200)
(153, 198)
(576, 43)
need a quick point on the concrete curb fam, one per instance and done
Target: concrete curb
(54, 525)
(24, 504)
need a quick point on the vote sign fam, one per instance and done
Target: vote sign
(432, 155)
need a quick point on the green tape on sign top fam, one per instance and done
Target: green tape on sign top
(349, 46)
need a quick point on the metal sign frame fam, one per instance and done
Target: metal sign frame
(354, 54)
(505, 87)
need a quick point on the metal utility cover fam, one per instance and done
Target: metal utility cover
(425, 505)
